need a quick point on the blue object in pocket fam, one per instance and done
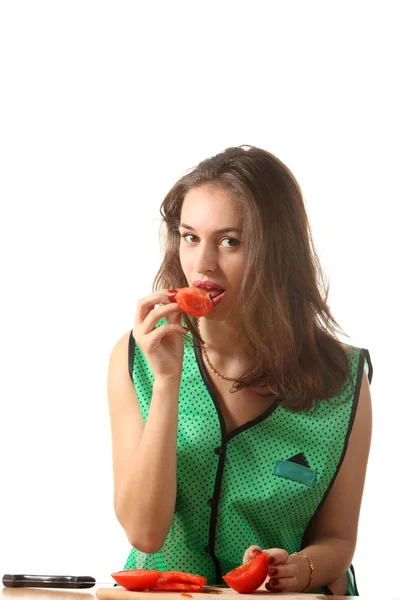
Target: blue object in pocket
(295, 472)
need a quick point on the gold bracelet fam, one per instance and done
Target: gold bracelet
(310, 563)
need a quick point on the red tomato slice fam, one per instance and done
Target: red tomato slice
(246, 578)
(194, 301)
(184, 577)
(136, 580)
(175, 586)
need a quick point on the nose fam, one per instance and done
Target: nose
(206, 259)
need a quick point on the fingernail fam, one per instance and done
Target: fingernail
(256, 552)
(271, 560)
(273, 572)
(274, 582)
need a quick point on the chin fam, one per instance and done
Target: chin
(220, 314)
(214, 316)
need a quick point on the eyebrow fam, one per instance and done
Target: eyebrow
(223, 230)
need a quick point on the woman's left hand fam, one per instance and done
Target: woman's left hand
(282, 572)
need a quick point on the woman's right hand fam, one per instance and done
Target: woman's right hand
(162, 346)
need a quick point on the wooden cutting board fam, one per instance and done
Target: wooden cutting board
(117, 593)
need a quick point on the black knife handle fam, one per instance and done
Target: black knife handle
(49, 581)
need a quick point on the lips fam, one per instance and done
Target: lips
(213, 288)
(217, 298)
(211, 285)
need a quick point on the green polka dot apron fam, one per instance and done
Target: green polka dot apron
(258, 484)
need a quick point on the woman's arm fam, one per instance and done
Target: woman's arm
(333, 533)
(144, 456)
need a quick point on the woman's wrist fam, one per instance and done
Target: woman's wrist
(305, 570)
(167, 385)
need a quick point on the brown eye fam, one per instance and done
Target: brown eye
(233, 242)
(186, 235)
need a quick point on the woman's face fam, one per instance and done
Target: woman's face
(211, 243)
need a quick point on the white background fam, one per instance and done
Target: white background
(103, 106)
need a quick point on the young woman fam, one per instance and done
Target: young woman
(247, 429)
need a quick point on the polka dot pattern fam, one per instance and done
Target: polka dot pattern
(236, 492)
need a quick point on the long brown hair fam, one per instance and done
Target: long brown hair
(285, 320)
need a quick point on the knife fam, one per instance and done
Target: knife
(48, 581)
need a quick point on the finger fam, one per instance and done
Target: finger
(251, 552)
(283, 571)
(172, 293)
(282, 585)
(158, 313)
(175, 317)
(153, 339)
(146, 304)
(277, 556)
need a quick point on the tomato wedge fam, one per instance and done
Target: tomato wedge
(175, 586)
(246, 578)
(194, 301)
(184, 577)
(136, 580)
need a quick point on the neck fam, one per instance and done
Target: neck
(223, 347)
(220, 337)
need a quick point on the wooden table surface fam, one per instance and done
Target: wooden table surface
(90, 594)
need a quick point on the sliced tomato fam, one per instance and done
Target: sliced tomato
(246, 578)
(175, 586)
(184, 577)
(136, 580)
(194, 301)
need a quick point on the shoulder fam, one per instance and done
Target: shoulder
(363, 419)
(118, 361)
(360, 357)
(120, 388)
(121, 345)
(361, 432)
